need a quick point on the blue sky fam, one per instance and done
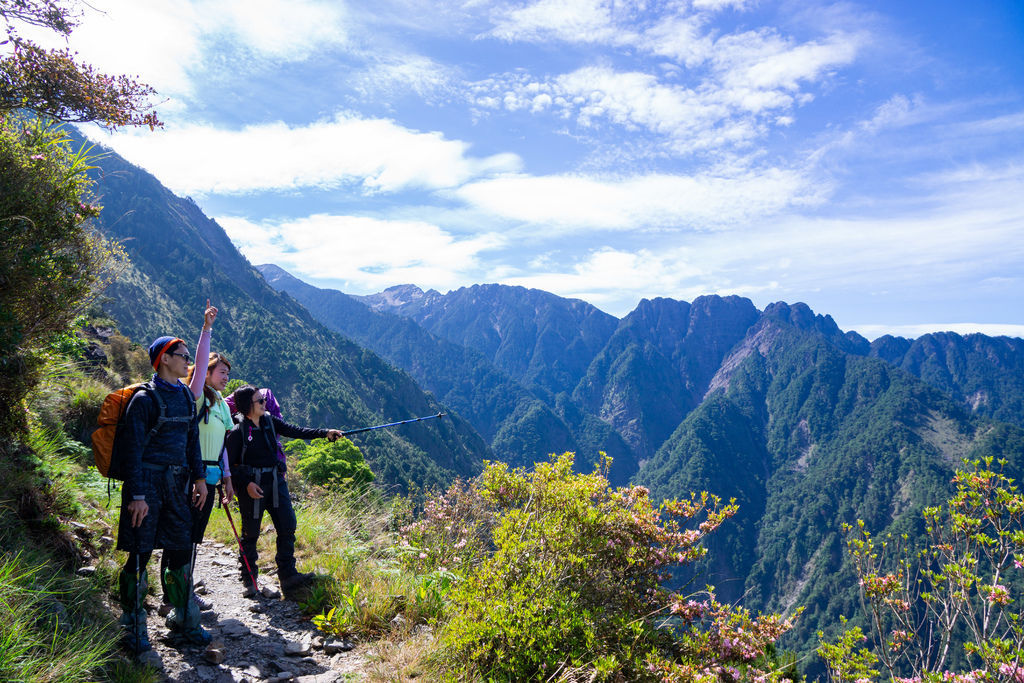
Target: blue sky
(866, 158)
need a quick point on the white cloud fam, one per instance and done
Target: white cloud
(366, 254)
(565, 204)
(583, 21)
(970, 243)
(406, 73)
(286, 30)
(166, 44)
(764, 60)
(753, 83)
(874, 331)
(735, 86)
(375, 154)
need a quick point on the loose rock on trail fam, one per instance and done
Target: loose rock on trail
(262, 639)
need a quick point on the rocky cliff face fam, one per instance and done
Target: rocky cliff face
(542, 340)
(657, 365)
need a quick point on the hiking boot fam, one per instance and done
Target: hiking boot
(296, 586)
(184, 618)
(204, 605)
(134, 632)
(132, 591)
(249, 590)
(187, 626)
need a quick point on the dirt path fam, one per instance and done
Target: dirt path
(262, 639)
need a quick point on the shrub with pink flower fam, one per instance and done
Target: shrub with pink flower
(948, 605)
(574, 584)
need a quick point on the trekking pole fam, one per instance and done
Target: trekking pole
(138, 589)
(192, 578)
(391, 424)
(241, 550)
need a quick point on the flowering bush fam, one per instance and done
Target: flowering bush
(574, 587)
(953, 591)
(454, 531)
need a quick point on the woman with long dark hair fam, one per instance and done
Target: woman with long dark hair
(259, 483)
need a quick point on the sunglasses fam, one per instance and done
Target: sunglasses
(261, 400)
(188, 358)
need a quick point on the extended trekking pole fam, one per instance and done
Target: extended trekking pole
(138, 589)
(390, 424)
(241, 550)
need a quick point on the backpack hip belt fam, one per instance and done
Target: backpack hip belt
(258, 473)
(171, 472)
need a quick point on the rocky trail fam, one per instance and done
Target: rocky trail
(263, 639)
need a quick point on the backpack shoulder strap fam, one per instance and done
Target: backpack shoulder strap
(245, 441)
(161, 417)
(204, 412)
(272, 443)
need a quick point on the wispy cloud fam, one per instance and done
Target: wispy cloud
(746, 84)
(362, 254)
(373, 155)
(971, 241)
(169, 43)
(575, 21)
(559, 205)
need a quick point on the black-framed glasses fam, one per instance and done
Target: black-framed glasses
(188, 358)
(261, 400)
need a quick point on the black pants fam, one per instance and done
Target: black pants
(283, 517)
(201, 516)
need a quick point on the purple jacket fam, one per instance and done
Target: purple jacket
(272, 407)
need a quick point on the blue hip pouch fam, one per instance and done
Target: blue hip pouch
(212, 475)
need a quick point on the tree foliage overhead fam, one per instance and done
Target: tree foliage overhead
(50, 256)
(53, 83)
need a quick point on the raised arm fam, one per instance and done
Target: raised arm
(203, 352)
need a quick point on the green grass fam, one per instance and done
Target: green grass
(42, 633)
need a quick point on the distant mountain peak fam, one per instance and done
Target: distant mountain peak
(272, 272)
(398, 298)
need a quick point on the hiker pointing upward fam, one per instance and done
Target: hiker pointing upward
(259, 483)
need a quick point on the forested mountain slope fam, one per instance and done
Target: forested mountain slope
(986, 373)
(542, 340)
(519, 426)
(806, 436)
(179, 257)
(657, 365)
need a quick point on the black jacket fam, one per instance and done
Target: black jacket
(260, 444)
(174, 444)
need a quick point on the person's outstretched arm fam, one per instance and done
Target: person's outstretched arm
(203, 352)
(292, 432)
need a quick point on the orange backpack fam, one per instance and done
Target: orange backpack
(112, 417)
